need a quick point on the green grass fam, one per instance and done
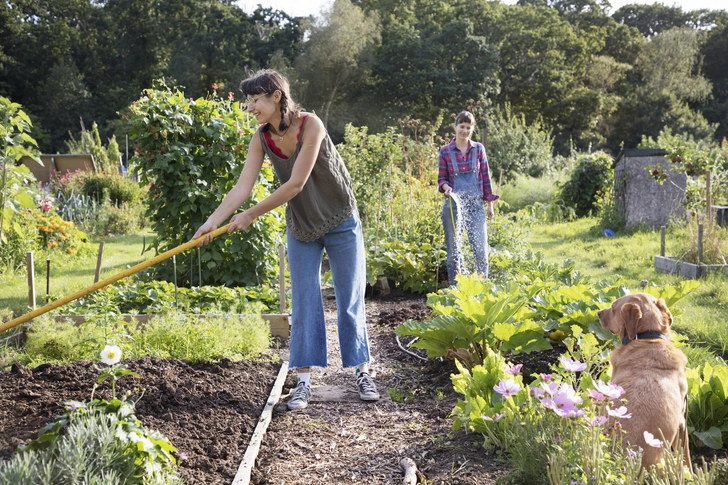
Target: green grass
(66, 278)
(523, 190)
(700, 316)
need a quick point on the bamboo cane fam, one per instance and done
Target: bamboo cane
(111, 279)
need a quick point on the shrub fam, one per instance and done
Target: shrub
(112, 188)
(191, 153)
(590, 180)
(516, 147)
(100, 202)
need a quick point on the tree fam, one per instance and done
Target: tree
(657, 18)
(715, 69)
(660, 89)
(336, 52)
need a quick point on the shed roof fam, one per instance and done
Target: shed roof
(640, 152)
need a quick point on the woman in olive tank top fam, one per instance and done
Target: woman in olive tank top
(320, 215)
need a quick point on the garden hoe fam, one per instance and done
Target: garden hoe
(111, 279)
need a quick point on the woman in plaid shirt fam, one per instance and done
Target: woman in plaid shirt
(464, 180)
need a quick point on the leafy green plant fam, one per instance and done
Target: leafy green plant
(132, 295)
(475, 316)
(203, 340)
(411, 266)
(191, 153)
(708, 405)
(16, 183)
(170, 336)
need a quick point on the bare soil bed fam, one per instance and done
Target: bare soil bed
(210, 411)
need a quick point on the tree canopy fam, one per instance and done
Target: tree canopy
(591, 79)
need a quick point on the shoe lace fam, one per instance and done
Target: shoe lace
(365, 383)
(301, 393)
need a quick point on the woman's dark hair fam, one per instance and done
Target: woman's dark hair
(268, 81)
(465, 117)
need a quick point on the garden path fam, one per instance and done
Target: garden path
(340, 439)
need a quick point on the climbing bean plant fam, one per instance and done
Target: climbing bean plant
(191, 153)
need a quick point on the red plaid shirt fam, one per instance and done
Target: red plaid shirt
(446, 170)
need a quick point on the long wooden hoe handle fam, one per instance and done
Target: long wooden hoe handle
(111, 279)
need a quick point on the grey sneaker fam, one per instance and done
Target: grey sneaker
(367, 389)
(300, 398)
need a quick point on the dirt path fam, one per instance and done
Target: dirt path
(355, 442)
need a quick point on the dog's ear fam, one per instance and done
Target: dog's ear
(631, 314)
(666, 315)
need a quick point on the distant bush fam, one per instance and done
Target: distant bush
(100, 202)
(588, 183)
(100, 186)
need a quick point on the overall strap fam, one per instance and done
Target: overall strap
(456, 166)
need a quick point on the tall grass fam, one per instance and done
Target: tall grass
(524, 190)
(700, 316)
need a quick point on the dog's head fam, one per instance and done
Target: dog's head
(636, 313)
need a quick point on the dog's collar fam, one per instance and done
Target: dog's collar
(652, 334)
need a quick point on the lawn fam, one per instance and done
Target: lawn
(119, 253)
(699, 316)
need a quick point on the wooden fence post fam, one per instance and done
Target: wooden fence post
(48, 279)
(700, 243)
(662, 241)
(708, 199)
(98, 262)
(31, 279)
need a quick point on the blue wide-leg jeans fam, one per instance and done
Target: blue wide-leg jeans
(344, 245)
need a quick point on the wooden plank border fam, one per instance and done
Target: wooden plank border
(242, 477)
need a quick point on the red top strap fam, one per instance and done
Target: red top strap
(272, 145)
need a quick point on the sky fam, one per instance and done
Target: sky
(303, 8)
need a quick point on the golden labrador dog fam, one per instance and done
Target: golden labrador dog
(652, 373)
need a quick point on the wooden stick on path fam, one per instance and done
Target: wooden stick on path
(409, 467)
(246, 466)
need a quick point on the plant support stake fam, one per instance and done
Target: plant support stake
(111, 279)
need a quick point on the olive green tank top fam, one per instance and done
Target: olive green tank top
(327, 198)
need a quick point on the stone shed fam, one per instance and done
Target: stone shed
(641, 200)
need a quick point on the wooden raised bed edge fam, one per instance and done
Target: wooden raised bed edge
(693, 271)
(279, 322)
(688, 270)
(242, 477)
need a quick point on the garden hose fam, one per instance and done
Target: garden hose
(111, 279)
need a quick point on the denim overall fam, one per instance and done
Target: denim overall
(467, 211)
